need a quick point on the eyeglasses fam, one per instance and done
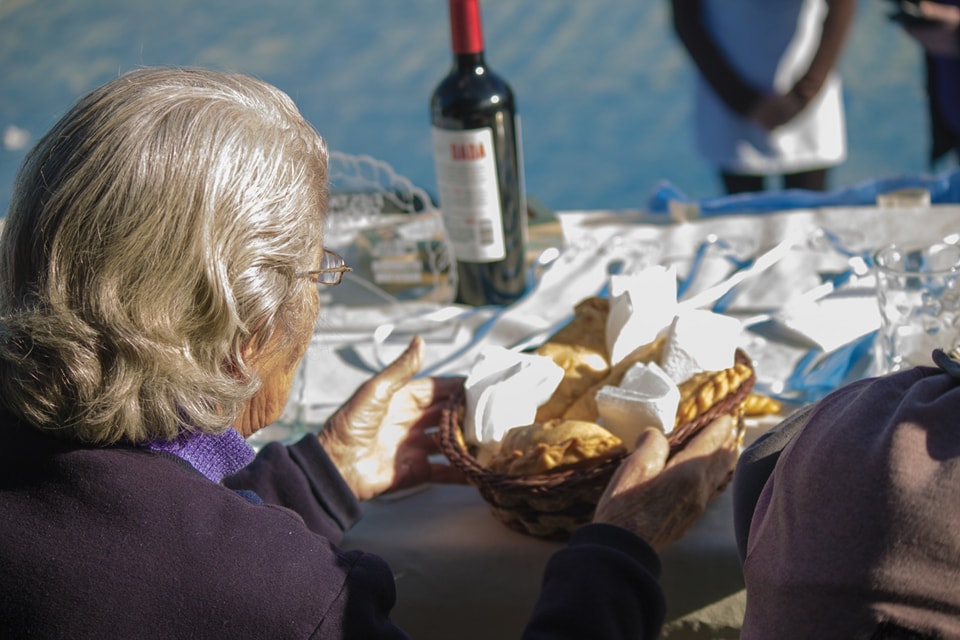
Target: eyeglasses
(332, 268)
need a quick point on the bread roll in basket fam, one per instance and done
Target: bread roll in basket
(554, 503)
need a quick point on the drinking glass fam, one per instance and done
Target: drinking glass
(918, 292)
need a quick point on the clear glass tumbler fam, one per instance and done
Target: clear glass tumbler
(918, 292)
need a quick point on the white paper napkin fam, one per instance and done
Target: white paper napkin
(699, 340)
(504, 390)
(641, 305)
(646, 397)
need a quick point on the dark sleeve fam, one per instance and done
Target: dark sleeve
(736, 93)
(301, 477)
(836, 25)
(755, 466)
(603, 584)
(365, 603)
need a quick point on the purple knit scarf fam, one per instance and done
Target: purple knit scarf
(213, 456)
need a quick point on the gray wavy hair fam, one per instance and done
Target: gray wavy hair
(152, 233)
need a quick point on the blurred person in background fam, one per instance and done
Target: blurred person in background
(768, 98)
(936, 27)
(159, 273)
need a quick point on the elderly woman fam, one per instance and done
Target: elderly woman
(160, 264)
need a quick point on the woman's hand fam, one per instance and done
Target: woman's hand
(378, 439)
(773, 110)
(660, 500)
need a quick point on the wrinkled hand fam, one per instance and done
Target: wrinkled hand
(773, 110)
(378, 439)
(659, 500)
(940, 38)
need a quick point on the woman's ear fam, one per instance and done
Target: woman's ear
(252, 347)
(248, 349)
(249, 352)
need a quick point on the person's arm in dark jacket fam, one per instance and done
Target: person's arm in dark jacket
(604, 584)
(713, 65)
(301, 477)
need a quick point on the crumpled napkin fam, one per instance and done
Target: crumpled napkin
(504, 390)
(646, 397)
(699, 340)
(641, 305)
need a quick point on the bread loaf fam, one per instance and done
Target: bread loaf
(580, 349)
(555, 444)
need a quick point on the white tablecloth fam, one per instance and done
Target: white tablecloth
(460, 573)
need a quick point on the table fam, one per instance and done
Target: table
(459, 572)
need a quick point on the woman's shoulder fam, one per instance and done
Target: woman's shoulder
(108, 513)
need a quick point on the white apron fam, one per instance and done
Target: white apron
(771, 44)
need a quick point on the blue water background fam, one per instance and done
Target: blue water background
(602, 85)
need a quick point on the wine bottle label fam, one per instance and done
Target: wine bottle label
(466, 170)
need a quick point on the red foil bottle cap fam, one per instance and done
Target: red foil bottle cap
(465, 27)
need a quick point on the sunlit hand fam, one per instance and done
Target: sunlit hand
(774, 110)
(660, 500)
(378, 439)
(939, 38)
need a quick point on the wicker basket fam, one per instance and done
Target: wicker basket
(552, 505)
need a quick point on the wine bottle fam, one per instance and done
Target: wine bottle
(478, 158)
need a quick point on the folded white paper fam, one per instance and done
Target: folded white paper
(699, 340)
(641, 305)
(646, 397)
(504, 390)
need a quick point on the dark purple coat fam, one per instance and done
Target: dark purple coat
(128, 543)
